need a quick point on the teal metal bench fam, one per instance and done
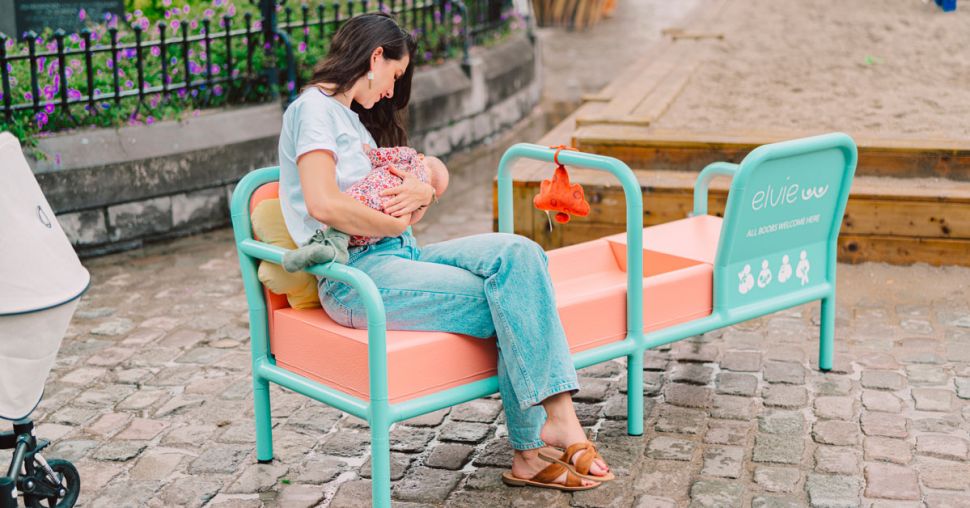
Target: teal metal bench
(785, 204)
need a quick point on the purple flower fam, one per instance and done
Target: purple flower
(175, 24)
(193, 24)
(166, 3)
(73, 94)
(97, 92)
(28, 96)
(81, 15)
(186, 9)
(232, 10)
(68, 72)
(150, 120)
(41, 119)
(302, 47)
(156, 51)
(217, 90)
(129, 84)
(181, 93)
(290, 85)
(75, 63)
(427, 56)
(49, 109)
(173, 60)
(216, 68)
(110, 64)
(208, 13)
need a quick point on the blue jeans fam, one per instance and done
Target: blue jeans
(487, 285)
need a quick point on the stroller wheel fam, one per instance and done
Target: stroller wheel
(63, 495)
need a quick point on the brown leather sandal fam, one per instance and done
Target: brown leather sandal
(546, 479)
(582, 465)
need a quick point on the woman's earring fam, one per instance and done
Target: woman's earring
(370, 79)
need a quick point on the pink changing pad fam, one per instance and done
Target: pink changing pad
(590, 286)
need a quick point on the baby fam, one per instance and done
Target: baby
(332, 244)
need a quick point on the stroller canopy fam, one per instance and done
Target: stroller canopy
(38, 267)
(41, 279)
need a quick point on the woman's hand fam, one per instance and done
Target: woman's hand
(407, 197)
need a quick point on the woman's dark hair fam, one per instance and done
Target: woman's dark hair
(349, 60)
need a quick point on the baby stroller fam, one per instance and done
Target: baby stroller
(41, 280)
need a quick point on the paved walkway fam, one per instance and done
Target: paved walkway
(151, 398)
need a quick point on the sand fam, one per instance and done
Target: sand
(887, 68)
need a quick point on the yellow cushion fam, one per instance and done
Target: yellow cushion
(300, 288)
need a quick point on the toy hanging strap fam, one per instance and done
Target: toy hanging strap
(558, 195)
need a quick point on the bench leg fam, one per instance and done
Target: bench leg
(827, 334)
(634, 394)
(264, 429)
(380, 464)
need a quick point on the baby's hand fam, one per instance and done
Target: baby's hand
(366, 148)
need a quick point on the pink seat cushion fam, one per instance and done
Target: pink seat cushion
(590, 285)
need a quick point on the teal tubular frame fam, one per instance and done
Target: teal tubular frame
(633, 345)
(378, 411)
(704, 181)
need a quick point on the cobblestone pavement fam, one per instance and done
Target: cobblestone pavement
(150, 397)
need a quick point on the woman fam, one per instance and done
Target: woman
(483, 286)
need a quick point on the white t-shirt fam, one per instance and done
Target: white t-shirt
(315, 121)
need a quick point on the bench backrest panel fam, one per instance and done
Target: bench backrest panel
(782, 218)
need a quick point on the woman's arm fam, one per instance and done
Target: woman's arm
(325, 202)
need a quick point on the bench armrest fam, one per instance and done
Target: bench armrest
(704, 180)
(634, 211)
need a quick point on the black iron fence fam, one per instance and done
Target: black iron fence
(136, 71)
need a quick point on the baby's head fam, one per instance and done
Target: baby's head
(437, 174)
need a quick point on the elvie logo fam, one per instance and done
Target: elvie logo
(787, 194)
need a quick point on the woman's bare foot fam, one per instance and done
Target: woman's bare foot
(562, 429)
(526, 464)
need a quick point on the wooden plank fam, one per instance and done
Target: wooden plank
(663, 96)
(903, 250)
(635, 91)
(678, 150)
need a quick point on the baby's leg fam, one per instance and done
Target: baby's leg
(323, 247)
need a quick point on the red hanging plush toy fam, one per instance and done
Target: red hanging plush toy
(558, 195)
